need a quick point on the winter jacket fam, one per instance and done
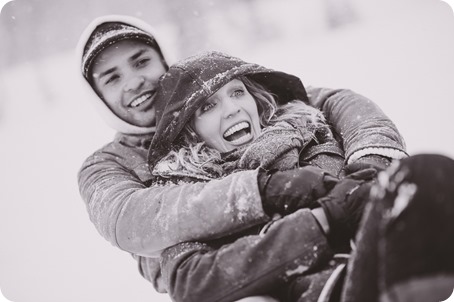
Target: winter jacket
(291, 260)
(240, 265)
(114, 182)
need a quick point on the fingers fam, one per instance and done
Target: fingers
(365, 174)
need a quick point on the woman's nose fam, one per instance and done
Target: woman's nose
(230, 108)
(134, 83)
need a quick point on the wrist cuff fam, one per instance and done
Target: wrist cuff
(386, 152)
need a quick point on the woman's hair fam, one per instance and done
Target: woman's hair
(191, 154)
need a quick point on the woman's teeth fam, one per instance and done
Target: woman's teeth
(241, 140)
(238, 133)
(140, 100)
(236, 128)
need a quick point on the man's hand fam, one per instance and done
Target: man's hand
(284, 192)
(344, 205)
(376, 162)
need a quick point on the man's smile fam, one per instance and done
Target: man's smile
(142, 99)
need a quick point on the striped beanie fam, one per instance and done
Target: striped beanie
(110, 33)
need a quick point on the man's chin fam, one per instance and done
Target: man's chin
(145, 123)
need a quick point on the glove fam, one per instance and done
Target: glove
(344, 205)
(377, 162)
(284, 192)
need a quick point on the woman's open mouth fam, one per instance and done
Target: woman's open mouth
(238, 134)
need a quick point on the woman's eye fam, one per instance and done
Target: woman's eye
(238, 92)
(207, 107)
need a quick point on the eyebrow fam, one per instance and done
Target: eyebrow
(108, 71)
(131, 58)
(137, 54)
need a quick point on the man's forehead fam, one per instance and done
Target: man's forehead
(125, 48)
(123, 51)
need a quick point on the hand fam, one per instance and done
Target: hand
(377, 162)
(344, 205)
(284, 192)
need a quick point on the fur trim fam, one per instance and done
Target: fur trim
(293, 127)
(109, 117)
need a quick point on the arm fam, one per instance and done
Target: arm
(145, 220)
(365, 129)
(251, 265)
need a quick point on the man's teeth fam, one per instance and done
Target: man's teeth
(236, 128)
(140, 100)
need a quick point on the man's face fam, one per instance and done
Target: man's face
(229, 118)
(126, 76)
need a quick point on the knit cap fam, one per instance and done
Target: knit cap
(109, 33)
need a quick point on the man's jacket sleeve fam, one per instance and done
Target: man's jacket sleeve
(363, 126)
(145, 220)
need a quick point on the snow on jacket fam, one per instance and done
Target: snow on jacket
(202, 272)
(114, 182)
(191, 81)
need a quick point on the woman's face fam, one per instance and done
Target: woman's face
(229, 118)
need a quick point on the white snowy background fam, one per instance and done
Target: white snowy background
(399, 53)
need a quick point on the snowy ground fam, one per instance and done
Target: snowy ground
(398, 53)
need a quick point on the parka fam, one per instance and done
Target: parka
(134, 215)
(247, 263)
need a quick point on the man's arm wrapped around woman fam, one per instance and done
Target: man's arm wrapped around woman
(364, 128)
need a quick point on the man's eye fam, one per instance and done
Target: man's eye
(111, 79)
(142, 62)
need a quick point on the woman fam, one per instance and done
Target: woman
(228, 114)
(292, 128)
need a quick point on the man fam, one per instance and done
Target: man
(121, 61)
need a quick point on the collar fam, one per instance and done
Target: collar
(135, 140)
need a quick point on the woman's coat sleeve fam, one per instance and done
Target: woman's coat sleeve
(251, 265)
(363, 126)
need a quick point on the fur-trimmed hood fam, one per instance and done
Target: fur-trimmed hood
(111, 118)
(188, 83)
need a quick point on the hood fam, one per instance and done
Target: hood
(109, 117)
(188, 83)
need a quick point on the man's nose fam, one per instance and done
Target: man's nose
(230, 108)
(134, 83)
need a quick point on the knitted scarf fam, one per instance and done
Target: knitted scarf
(280, 146)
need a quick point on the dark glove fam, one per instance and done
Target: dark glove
(344, 206)
(377, 162)
(284, 192)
